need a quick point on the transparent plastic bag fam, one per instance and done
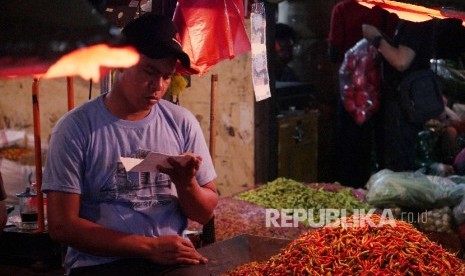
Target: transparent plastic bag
(360, 81)
(452, 78)
(459, 212)
(412, 190)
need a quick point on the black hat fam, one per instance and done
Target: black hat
(155, 36)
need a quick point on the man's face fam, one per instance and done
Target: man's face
(284, 51)
(147, 82)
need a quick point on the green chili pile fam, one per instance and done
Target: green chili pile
(284, 193)
(380, 249)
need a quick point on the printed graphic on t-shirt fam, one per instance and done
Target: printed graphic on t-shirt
(141, 190)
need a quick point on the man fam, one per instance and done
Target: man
(353, 159)
(3, 212)
(345, 30)
(115, 221)
(412, 47)
(284, 44)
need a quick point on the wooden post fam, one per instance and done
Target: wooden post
(38, 155)
(70, 90)
(208, 230)
(214, 86)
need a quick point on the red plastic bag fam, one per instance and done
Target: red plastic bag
(360, 79)
(211, 31)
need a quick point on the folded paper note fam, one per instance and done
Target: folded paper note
(150, 163)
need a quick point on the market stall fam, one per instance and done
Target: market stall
(305, 227)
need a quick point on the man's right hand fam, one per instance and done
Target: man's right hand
(174, 250)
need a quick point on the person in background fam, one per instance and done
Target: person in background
(284, 47)
(120, 222)
(3, 212)
(354, 162)
(345, 30)
(410, 49)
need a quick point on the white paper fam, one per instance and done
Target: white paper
(150, 163)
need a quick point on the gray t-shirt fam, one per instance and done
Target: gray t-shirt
(84, 158)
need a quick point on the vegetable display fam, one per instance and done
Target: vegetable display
(351, 248)
(436, 220)
(14, 153)
(359, 78)
(284, 193)
(234, 217)
(246, 212)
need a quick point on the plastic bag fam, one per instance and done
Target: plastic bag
(459, 212)
(360, 79)
(411, 190)
(211, 31)
(452, 79)
(11, 137)
(436, 220)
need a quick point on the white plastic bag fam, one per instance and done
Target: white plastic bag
(10, 137)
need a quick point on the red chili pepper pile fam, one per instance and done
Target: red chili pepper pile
(389, 249)
(234, 217)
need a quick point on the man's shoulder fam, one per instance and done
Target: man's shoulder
(174, 108)
(80, 114)
(178, 114)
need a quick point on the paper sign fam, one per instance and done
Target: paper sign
(260, 78)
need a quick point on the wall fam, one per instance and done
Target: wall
(234, 158)
(311, 21)
(16, 102)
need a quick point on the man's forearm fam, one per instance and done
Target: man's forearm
(198, 202)
(94, 239)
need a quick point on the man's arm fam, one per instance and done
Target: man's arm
(65, 225)
(197, 202)
(399, 57)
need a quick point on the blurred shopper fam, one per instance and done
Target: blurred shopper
(284, 47)
(409, 50)
(354, 143)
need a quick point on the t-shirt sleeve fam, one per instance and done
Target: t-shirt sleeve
(411, 36)
(196, 143)
(62, 171)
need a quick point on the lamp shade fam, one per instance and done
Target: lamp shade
(34, 35)
(414, 10)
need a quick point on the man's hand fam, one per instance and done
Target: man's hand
(370, 32)
(175, 250)
(182, 172)
(197, 201)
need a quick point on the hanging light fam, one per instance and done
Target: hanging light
(406, 11)
(56, 38)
